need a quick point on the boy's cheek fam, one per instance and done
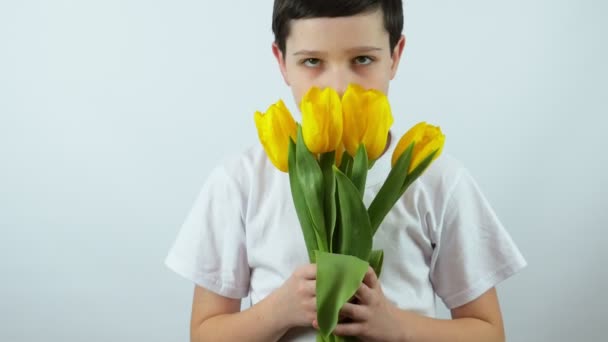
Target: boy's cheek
(299, 85)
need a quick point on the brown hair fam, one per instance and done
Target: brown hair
(286, 10)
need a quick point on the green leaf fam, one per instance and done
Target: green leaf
(321, 338)
(338, 278)
(355, 229)
(371, 164)
(329, 194)
(336, 239)
(417, 172)
(359, 174)
(376, 259)
(347, 162)
(310, 236)
(349, 170)
(310, 177)
(391, 190)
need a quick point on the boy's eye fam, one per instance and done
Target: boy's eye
(363, 60)
(311, 62)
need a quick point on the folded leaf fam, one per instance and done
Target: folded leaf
(310, 177)
(329, 194)
(355, 234)
(336, 239)
(360, 168)
(338, 278)
(310, 237)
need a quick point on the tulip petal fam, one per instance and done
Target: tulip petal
(355, 118)
(275, 128)
(322, 122)
(367, 120)
(430, 140)
(415, 134)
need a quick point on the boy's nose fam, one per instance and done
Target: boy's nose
(338, 79)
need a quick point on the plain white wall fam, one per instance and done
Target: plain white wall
(112, 113)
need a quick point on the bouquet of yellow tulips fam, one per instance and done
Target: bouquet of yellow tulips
(327, 158)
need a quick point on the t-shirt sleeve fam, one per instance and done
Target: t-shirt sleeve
(210, 248)
(473, 251)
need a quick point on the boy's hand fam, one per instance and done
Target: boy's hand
(374, 318)
(296, 298)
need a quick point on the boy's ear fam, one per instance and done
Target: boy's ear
(397, 53)
(278, 54)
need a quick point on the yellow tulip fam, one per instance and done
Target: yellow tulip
(426, 138)
(321, 120)
(275, 127)
(367, 120)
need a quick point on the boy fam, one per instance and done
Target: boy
(243, 237)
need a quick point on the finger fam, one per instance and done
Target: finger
(311, 305)
(311, 287)
(306, 289)
(308, 272)
(365, 294)
(370, 279)
(311, 317)
(355, 312)
(349, 329)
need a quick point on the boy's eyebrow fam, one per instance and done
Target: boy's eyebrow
(309, 52)
(364, 49)
(359, 49)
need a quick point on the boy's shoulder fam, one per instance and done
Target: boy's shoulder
(243, 166)
(443, 174)
(252, 165)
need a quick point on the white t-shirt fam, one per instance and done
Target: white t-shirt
(242, 236)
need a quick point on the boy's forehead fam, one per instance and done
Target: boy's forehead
(341, 33)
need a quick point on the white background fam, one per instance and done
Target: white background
(112, 114)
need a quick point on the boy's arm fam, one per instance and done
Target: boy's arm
(218, 318)
(477, 321)
(375, 318)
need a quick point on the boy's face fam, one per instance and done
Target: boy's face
(333, 52)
